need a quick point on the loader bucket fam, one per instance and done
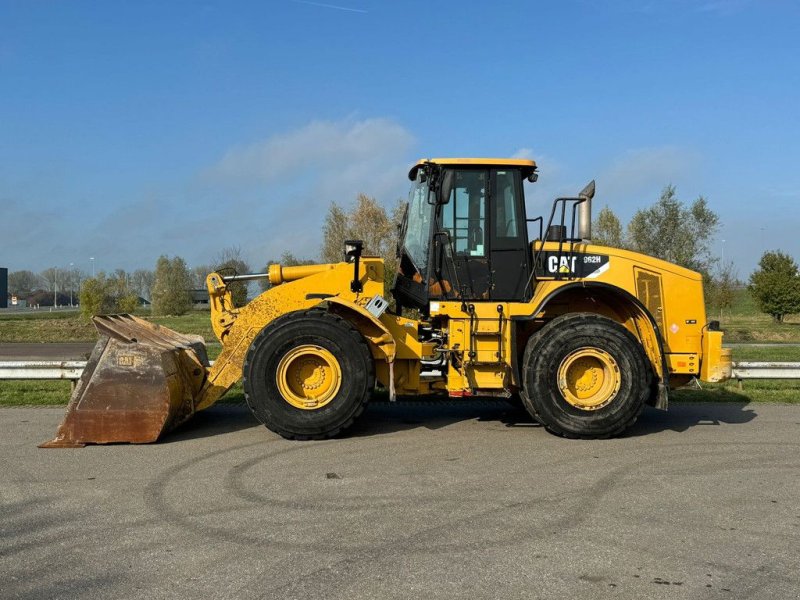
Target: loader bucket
(141, 381)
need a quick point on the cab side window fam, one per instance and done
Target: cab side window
(464, 216)
(506, 221)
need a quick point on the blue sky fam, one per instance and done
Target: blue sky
(133, 129)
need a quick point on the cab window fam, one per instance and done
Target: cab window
(506, 222)
(464, 215)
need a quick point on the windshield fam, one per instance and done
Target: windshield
(418, 225)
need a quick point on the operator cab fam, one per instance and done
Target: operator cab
(464, 234)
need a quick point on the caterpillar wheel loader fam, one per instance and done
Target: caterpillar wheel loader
(487, 302)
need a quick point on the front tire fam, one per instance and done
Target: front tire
(585, 376)
(308, 375)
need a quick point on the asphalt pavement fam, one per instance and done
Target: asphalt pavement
(462, 500)
(49, 351)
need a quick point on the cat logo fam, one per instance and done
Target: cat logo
(572, 264)
(566, 264)
(126, 360)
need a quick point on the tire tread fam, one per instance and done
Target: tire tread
(575, 323)
(349, 329)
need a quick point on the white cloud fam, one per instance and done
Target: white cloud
(277, 190)
(320, 145)
(639, 172)
(266, 197)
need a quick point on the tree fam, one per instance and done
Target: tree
(51, 278)
(70, 283)
(171, 287)
(127, 303)
(671, 231)
(607, 230)
(199, 274)
(55, 279)
(23, 283)
(120, 290)
(94, 296)
(776, 285)
(722, 286)
(368, 221)
(118, 283)
(141, 282)
(231, 262)
(287, 260)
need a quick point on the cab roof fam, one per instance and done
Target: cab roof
(525, 165)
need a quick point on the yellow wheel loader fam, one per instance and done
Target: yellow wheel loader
(503, 305)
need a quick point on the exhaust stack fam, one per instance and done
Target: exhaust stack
(585, 212)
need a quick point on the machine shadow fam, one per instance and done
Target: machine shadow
(225, 417)
(682, 416)
(383, 417)
(379, 417)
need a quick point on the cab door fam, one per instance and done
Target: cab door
(461, 242)
(480, 240)
(509, 254)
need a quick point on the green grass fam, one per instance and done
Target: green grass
(197, 322)
(753, 390)
(789, 353)
(34, 393)
(70, 327)
(57, 393)
(46, 327)
(744, 323)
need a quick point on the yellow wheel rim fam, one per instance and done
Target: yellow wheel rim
(309, 377)
(589, 378)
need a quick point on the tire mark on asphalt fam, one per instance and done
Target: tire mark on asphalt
(157, 500)
(416, 543)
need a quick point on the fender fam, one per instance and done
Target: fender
(376, 333)
(649, 333)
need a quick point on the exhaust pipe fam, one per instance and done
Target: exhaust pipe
(585, 212)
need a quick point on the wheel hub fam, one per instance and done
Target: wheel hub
(589, 378)
(308, 377)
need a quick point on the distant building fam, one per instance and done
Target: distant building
(3, 287)
(199, 298)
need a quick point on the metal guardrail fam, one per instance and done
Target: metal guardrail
(42, 369)
(766, 370)
(72, 369)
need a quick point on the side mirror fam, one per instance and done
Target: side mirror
(352, 253)
(445, 187)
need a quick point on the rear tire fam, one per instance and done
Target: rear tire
(308, 375)
(585, 376)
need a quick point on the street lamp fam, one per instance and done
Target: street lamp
(71, 282)
(91, 259)
(55, 287)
